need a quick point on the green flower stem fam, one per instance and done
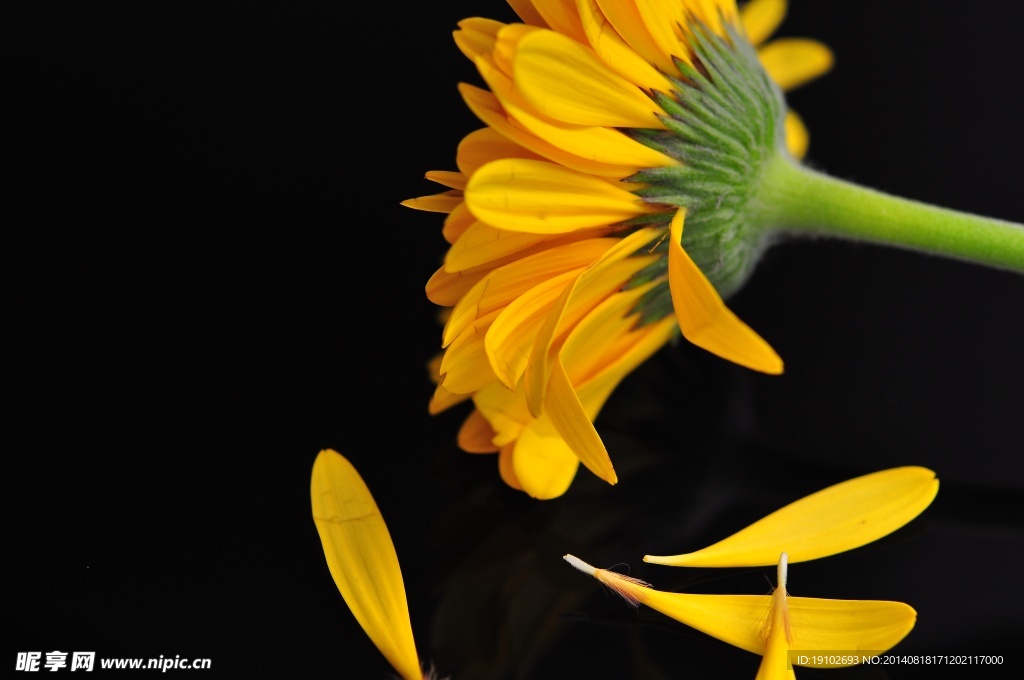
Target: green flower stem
(795, 199)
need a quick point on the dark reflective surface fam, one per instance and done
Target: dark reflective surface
(211, 280)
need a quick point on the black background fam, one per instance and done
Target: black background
(210, 278)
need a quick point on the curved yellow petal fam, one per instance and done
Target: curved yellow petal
(481, 243)
(545, 198)
(362, 559)
(504, 410)
(508, 475)
(841, 517)
(487, 108)
(447, 288)
(457, 222)
(817, 625)
(538, 368)
(561, 16)
(442, 203)
(476, 37)
(664, 20)
(499, 287)
(485, 145)
(591, 144)
(525, 10)
(797, 137)
(625, 18)
(476, 434)
(452, 180)
(566, 81)
(792, 62)
(614, 51)
(542, 461)
(608, 340)
(574, 425)
(465, 367)
(512, 335)
(704, 319)
(442, 400)
(760, 18)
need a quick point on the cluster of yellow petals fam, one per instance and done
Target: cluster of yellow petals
(364, 565)
(842, 517)
(540, 329)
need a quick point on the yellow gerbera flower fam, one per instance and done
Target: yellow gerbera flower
(568, 265)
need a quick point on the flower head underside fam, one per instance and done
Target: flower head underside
(599, 212)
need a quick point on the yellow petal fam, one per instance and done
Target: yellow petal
(562, 17)
(465, 366)
(442, 400)
(452, 180)
(527, 12)
(846, 626)
(625, 18)
(760, 18)
(362, 559)
(566, 81)
(508, 475)
(542, 461)
(614, 51)
(573, 424)
(841, 517)
(703, 317)
(591, 144)
(487, 108)
(447, 288)
(476, 434)
(443, 203)
(480, 244)
(476, 37)
(504, 410)
(485, 145)
(663, 20)
(797, 137)
(538, 368)
(792, 62)
(500, 286)
(511, 336)
(457, 222)
(608, 340)
(544, 198)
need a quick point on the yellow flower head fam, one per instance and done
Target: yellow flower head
(609, 123)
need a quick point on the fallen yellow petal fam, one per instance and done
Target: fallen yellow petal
(848, 627)
(362, 559)
(833, 520)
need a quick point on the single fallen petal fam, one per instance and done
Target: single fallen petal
(842, 517)
(362, 559)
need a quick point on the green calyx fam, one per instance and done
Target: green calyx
(724, 121)
(742, 190)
